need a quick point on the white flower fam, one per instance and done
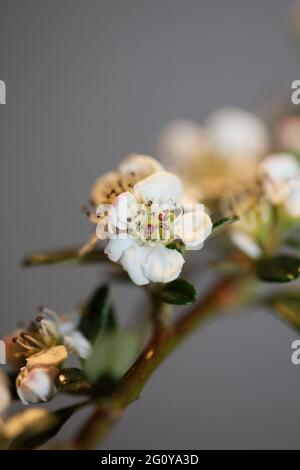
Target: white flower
(144, 222)
(280, 175)
(256, 222)
(217, 156)
(131, 169)
(37, 384)
(237, 134)
(183, 140)
(51, 337)
(5, 396)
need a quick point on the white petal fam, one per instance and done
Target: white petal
(280, 168)
(133, 261)
(183, 140)
(36, 385)
(159, 188)
(193, 227)
(102, 186)
(124, 207)
(116, 247)
(292, 203)
(68, 322)
(246, 243)
(141, 164)
(163, 264)
(237, 133)
(75, 342)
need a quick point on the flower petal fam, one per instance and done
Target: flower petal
(159, 188)
(237, 134)
(246, 243)
(103, 186)
(193, 227)
(292, 203)
(162, 264)
(133, 261)
(76, 343)
(123, 208)
(143, 165)
(280, 168)
(68, 322)
(116, 247)
(53, 357)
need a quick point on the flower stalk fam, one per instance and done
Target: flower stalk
(227, 294)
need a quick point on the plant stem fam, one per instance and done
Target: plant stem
(64, 256)
(225, 294)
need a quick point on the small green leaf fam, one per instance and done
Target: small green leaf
(287, 307)
(73, 380)
(112, 355)
(225, 221)
(177, 245)
(279, 269)
(98, 314)
(178, 292)
(39, 432)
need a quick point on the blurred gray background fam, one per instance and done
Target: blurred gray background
(88, 82)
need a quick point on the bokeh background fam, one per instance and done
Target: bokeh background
(88, 82)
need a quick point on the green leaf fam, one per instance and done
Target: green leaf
(73, 380)
(112, 355)
(293, 243)
(40, 431)
(98, 314)
(225, 221)
(279, 269)
(177, 245)
(287, 307)
(178, 292)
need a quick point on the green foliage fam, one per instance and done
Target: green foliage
(279, 269)
(112, 355)
(98, 314)
(225, 221)
(178, 292)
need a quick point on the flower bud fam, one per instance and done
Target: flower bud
(37, 384)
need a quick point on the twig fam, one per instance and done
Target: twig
(64, 256)
(226, 294)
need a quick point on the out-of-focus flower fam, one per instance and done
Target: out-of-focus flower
(280, 174)
(237, 135)
(37, 384)
(287, 133)
(5, 396)
(144, 222)
(269, 209)
(216, 156)
(252, 232)
(49, 338)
